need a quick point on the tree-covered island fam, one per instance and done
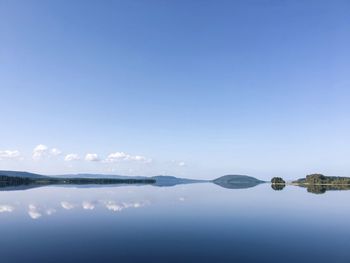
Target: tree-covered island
(319, 183)
(277, 183)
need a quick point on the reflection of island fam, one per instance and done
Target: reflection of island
(237, 181)
(319, 184)
(278, 187)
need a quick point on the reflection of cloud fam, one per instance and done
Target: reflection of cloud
(50, 211)
(6, 208)
(111, 205)
(33, 212)
(67, 205)
(117, 207)
(88, 205)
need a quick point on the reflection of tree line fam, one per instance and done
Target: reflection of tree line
(321, 189)
(12, 181)
(315, 183)
(6, 181)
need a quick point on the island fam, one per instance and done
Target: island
(277, 183)
(319, 183)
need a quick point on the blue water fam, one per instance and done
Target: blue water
(185, 223)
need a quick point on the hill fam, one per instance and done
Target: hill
(22, 174)
(237, 181)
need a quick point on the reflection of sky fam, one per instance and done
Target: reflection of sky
(202, 215)
(209, 199)
(73, 199)
(6, 208)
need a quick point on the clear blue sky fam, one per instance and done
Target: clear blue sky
(187, 88)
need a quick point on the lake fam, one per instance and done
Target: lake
(185, 223)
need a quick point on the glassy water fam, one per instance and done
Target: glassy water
(184, 223)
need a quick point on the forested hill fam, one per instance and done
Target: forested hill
(21, 174)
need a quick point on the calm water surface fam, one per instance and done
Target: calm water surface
(185, 223)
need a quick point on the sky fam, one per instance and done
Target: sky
(197, 89)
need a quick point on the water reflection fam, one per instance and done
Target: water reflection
(37, 211)
(204, 222)
(6, 208)
(88, 205)
(117, 207)
(321, 189)
(33, 211)
(67, 205)
(278, 187)
(50, 211)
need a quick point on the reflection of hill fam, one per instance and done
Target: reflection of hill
(237, 181)
(163, 180)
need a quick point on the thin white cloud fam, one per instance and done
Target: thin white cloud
(92, 157)
(6, 208)
(71, 157)
(40, 151)
(122, 156)
(181, 164)
(8, 154)
(55, 152)
(117, 156)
